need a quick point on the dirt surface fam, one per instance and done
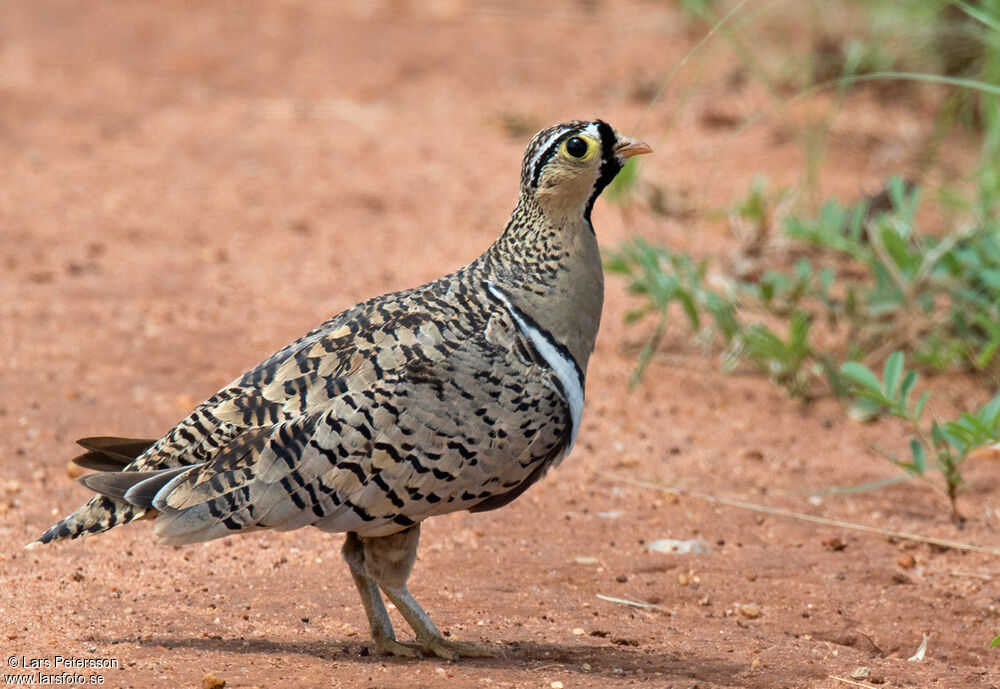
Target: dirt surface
(185, 187)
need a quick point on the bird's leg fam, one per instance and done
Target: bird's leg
(353, 552)
(388, 561)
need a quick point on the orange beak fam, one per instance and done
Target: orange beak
(626, 148)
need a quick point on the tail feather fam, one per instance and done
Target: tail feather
(99, 514)
(134, 487)
(130, 494)
(110, 454)
(144, 493)
(104, 454)
(195, 439)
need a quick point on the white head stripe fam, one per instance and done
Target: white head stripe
(542, 149)
(590, 130)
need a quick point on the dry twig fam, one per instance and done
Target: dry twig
(789, 514)
(641, 604)
(851, 681)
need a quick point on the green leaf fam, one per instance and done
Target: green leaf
(982, 86)
(919, 457)
(991, 277)
(949, 433)
(687, 302)
(861, 375)
(986, 355)
(918, 410)
(892, 373)
(907, 387)
(898, 251)
(990, 414)
(996, 642)
(633, 315)
(936, 434)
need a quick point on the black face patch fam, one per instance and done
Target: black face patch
(610, 167)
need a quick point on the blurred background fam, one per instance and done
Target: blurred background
(186, 186)
(824, 190)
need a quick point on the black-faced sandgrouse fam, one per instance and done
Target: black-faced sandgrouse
(457, 395)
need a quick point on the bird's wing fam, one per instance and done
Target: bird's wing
(393, 412)
(469, 426)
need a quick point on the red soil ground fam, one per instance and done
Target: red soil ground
(188, 186)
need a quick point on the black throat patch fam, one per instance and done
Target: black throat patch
(610, 166)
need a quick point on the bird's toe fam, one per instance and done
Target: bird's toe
(453, 650)
(391, 647)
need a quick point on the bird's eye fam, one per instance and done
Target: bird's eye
(576, 147)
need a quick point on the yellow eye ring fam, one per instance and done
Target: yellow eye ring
(578, 147)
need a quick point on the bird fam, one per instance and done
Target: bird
(455, 395)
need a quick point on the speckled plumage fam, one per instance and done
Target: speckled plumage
(458, 394)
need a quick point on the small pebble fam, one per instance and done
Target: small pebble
(212, 681)
(836, 544)
(907, 561)
(696, 546)
(861, 672)
(750, 610)
(556, 685)
(578, 631)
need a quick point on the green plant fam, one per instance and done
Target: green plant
(949, 443)
(661, 278)
(866, 282)
(867, 268)
(846, 288)
(934, 295)
(937, 296)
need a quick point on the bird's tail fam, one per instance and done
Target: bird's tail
(101, 512)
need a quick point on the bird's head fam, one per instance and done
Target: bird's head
(567, 166)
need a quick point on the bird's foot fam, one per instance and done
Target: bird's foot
(440, 647)
(388, 646)
(453, 650)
